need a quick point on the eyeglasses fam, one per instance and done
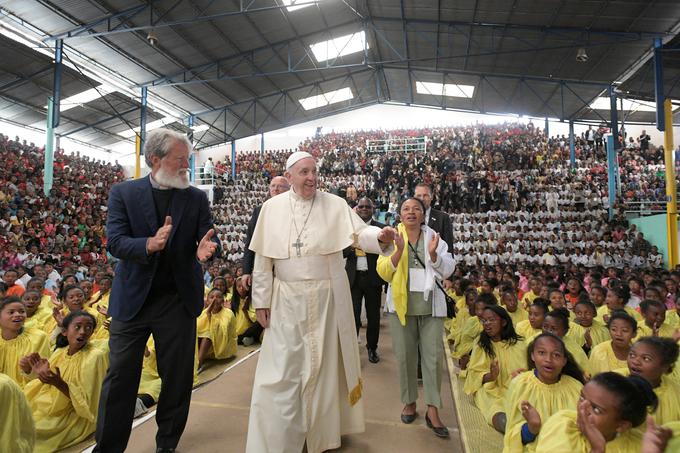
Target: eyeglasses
(364, 206)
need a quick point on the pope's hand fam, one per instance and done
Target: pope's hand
(157, 243)
(387, 234)
(207, 247)
(263, 315)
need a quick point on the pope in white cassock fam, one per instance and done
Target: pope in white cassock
(308, 381)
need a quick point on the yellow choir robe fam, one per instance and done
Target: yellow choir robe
(547, 399)
(489, 397)
(524, 328)
(461, 306)
(17, 430)
(598, 333)
(100, 332)
(604, 310)
(518, 316)
(457, 323)
(39, 318)
(560, 434)
(47, 302)
(467, 338)
(602, 358)
(672, 318)
(62, 421)
(668, 393)
(244, 319)
(150, 382)
(665, 330)
(11, 351)
(528, 299)
(220, 328)
(674, 442)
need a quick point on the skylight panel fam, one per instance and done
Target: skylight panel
(324, 99)
(338, 47)
(448, 89)
(294, 5)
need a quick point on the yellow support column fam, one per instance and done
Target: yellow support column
(138, 152)
(671, 192)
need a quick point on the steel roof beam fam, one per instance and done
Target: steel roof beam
(22, 79)
(89, 29)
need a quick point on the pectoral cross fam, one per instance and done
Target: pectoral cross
(298, 245)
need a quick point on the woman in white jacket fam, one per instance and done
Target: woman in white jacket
(417, 308)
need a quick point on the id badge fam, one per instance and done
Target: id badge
(416, 280)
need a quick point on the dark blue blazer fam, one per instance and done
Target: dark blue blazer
(131, 220)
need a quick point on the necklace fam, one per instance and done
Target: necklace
(297, 244)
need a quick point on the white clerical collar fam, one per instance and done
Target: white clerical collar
(427, 214)
(156, 185)
(297, 197)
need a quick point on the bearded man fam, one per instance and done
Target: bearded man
(161, 230)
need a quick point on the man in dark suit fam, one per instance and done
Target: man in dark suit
(278, 185)
(439, 221)
(161, 230)
(365, 283)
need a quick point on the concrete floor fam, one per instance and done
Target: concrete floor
(218, 419)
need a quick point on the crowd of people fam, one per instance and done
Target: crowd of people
(533, 249)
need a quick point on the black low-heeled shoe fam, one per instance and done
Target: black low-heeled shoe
(439, 431)
(408, 418)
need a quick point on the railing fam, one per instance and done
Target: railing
(644, 207)
(204, 177)
(404, 144)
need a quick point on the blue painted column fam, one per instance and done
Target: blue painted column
(56, 98)
(192, 156)
(142, 119)
(658, 85)
(614, 117)
(233, 160)
(547, 128)
(612, 171)
(262, 143)
(572, 145)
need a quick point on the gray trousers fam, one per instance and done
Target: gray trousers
(421, 334)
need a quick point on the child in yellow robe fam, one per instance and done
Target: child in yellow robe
(72, 299)
(653, 358)
(48, 299)
(17, 430)
(470, 331)
(36, 314)
(216, 327)
(535, 288)
(606, 418)
(465, 309)
(613, 354)
(534, 325)
(16, 340)
(553, 382)
(556, 322)
(654, 320)
(586, 330)
(457, 293)
(248, 329)
(498, 355)
(616, 300)
(65, 397)
(511, 305)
